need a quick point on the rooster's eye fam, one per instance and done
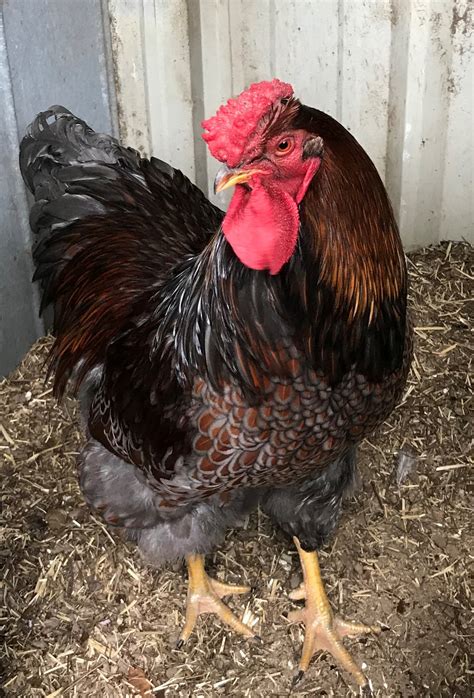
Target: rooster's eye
(284, 147)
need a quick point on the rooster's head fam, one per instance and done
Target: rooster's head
(271, 162)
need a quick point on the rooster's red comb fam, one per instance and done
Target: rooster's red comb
(228, 131)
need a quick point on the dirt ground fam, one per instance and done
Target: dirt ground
(84, 616)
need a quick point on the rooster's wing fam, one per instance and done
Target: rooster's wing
(110, 227)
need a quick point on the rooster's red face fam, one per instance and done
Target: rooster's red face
(283, 161)
(271, 166)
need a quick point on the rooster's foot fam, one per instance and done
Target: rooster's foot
(204, 596)
(323, 629)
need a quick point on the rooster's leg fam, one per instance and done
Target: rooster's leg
(204, 596)
(324, 630)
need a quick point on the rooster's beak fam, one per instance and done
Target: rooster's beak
(228, 178)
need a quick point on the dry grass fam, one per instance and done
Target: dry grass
(83, 616)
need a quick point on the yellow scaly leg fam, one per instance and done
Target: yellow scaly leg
(323, 630)
(204, 596)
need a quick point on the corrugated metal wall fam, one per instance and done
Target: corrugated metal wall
(397, 73)
(51, 51)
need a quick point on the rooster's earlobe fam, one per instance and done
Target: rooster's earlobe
(313, 148)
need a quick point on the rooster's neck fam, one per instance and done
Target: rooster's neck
(351, 234)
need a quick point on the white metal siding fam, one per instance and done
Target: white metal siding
(397, 73)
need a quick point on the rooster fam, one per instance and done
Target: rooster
(222, 360)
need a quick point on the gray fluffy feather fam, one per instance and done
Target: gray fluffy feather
(106, 478)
